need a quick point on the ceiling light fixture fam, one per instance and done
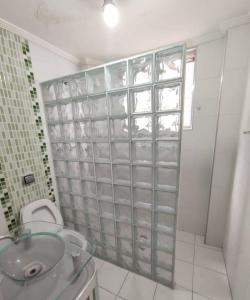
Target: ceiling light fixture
(110, 13)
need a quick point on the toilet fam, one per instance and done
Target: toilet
(44, 210)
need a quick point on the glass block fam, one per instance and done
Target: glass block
(143, 268)
(78, 203)
(67, 214)
(94, 234)
(103, 172)
(168, 126)
(76, 186)
(168, 97)
(120, 151)
(164, 199)
(101, 151)
(98, 106)
(89, 188)
(83, 130)
(55, 132)
(121, 174)
(91, 205)
(143, 252)
(125, 246)
(165, 219)
(119, 128)
(66, 112)
(63, 89)
(111, 255)
(124, 230)
(166, 177)
(164, 276)
(109, 241)
(93, 222)
(142, 152)
(96, 81)
(127, 262)
(63, 185)
(52, 113)
(100, 129)
(73, 169)
(164, 259)
(118, 103)
(108, 226)
(142, 196)
(104, 191)
(80, 217)
(142, 176)
(69, 225)
(167, 152)
(164, 241)
(117, 76)
(140, 70)
(87, 170)
(50, 91)
(81, 109)
(142, 217)
(123, 212)
(142, 127)
(85, 151)
(78, 86)
(71, 151)
(82, 229)
(141, 100)
(58, 150)
(60, 168)
(122, 194)
(65, 199)
(107, 209)
(168, 65)
(68, 131)
(143, 235)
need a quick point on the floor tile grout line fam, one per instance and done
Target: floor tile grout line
(156, 286)
(193, 268)
(229, 285)
(117, 295)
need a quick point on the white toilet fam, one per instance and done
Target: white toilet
(44, 210)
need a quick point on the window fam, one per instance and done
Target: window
(189, 87)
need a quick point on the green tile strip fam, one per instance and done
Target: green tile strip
(39, 125)
(23, 149)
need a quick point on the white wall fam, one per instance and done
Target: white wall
(198, 143)
(48, 65)
(233, 88)
(237, 239)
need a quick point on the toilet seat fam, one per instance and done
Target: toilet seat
(41, 210)
(45, 211)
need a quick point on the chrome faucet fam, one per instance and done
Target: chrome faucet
(14, 239)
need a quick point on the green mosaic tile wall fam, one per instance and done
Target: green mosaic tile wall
(23, 149)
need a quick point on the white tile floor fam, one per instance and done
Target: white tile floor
(200, 275)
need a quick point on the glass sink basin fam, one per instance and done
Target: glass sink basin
(50, 262)
(32, 256)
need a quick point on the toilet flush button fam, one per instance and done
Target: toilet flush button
(28, 179)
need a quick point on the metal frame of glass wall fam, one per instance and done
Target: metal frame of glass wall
(115, 134)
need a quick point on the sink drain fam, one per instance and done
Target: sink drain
(33, 269)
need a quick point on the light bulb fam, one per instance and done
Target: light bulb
(110, 13)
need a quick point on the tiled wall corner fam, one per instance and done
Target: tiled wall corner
(23, 149)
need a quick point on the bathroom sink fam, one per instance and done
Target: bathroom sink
(32, 256)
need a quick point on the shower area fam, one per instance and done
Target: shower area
(115, 135)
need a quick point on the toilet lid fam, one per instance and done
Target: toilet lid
(41, 210)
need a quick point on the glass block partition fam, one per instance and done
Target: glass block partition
(115, 133)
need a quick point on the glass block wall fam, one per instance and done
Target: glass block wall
(115, 134)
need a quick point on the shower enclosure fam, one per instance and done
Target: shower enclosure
(115, 133)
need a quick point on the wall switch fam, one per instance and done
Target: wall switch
(28, 179)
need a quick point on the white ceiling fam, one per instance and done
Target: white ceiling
(76, 26)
